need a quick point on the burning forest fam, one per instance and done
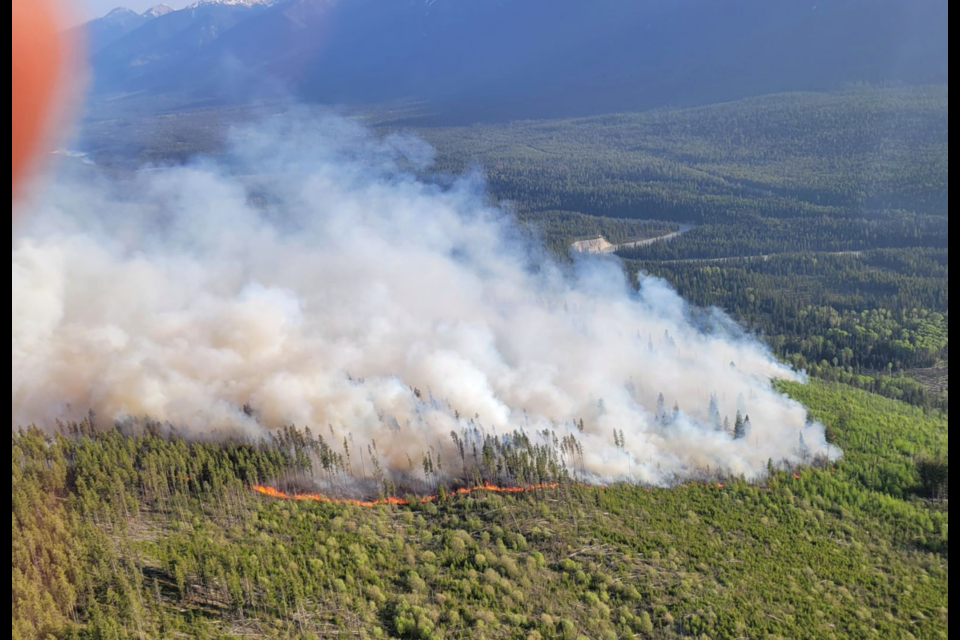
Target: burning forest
(323, 281)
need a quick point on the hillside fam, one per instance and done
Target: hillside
(858, 151)
(102, 32)
(146, 536)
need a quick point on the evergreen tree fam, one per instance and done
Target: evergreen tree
(713, 412)
(803, 449)
(739, 430)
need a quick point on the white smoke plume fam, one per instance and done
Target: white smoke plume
(310, 276)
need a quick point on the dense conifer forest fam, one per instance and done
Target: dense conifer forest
(818, 221)
(133, 532)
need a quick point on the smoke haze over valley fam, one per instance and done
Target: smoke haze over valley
(312, 279)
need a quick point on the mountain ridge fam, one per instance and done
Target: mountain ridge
(526, 57)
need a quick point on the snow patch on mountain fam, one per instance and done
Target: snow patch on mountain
(157, 11)
(231, 3)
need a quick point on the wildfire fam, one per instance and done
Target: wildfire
(273, 492)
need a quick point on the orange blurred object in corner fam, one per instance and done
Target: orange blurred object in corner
(39, 54)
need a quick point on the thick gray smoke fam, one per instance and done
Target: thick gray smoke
(311, 277)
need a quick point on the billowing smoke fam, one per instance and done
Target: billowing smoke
(311, 278)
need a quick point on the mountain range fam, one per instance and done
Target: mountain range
(517, 58)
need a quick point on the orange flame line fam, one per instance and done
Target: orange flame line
(273, 492)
